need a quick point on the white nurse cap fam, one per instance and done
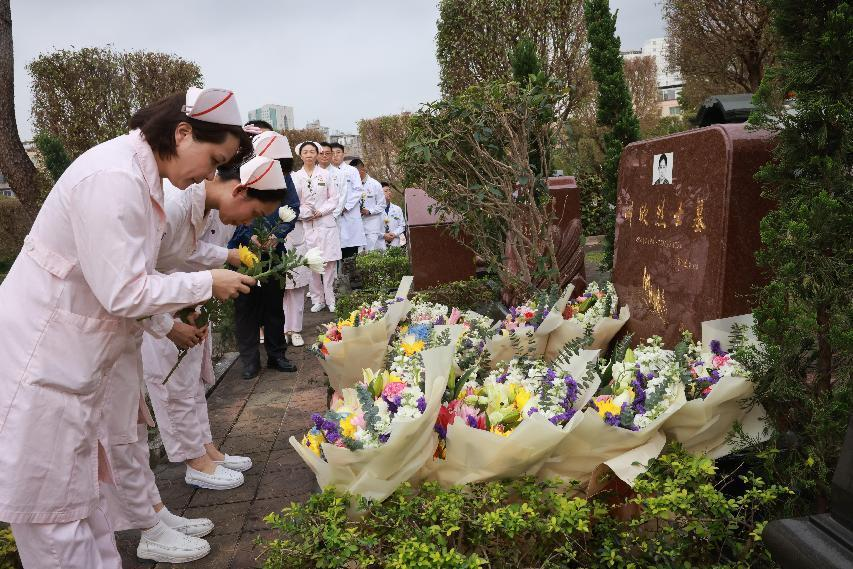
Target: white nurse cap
(272, 145)
(262, 173)
(213, 105)
(301, 144)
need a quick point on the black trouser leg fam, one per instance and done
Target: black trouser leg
(247, 322)
(273, 318)
(347, 252)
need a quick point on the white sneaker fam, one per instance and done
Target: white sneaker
(318, 306)
(164, 544)
(197, 527)
(296, 339)
(332, 308)
(238, 463)
(221, 479)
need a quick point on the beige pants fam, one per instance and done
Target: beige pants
(322, 287)
(131, 501)
(182, 419)
(83, 544)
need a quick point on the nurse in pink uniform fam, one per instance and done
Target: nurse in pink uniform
(71, 304)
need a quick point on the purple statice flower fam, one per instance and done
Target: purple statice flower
(393, 404)
(471, 420)
(440, 320)
(715, 376)
(611, 419)
(513, 311)
(532, 410)
(571, 388)
(442, 431)
(717, 349)
(501, 378)
(421, 404)
(318, 420)
(563, 417)
(551, 375)
(639, 392)
(383, 438)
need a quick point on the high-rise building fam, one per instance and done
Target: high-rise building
(279, 116)
(669, 81)
(315, 125)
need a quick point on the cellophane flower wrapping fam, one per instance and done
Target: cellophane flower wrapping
(508, 424)
(524, 332)
(375, 465)
(718, 390)
(360, 341)
(620, 428)
(597, 310)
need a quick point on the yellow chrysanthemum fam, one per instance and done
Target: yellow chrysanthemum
(347, 428)
(605, 404)
(313, 441)
(247, 258)
(412, 347)
(521, 398)
(501, 430)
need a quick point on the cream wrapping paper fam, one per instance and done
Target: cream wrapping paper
(602, 333)
(594, 442)
(364, 347)
(703, 425)
(474, 455)
(376, 472)
(531, 343)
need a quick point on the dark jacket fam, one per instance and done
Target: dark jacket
(243, 233)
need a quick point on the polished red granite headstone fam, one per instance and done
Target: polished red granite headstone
(687, 228)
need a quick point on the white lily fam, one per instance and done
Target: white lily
(314, 259)
(286, 214)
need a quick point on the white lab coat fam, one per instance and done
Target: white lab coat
(318, 197)
(349, 220)
(373, 200)
(395, 223)
(70, 304)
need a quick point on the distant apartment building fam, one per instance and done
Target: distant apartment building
(315, 125)
(279, 116)
(669, 81)
(351, 143)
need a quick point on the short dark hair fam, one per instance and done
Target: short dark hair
(334, 145)
(326, 144)
(159, 121)
(266, 196)
(286, 165)
(260, 124)
(663, 159)
(356, 162)
(387, 185)
(228, 172)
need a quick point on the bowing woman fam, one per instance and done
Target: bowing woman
(72, 301)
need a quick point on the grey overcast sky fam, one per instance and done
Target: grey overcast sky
(337, 61)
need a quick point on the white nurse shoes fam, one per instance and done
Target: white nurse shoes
(164, 544)
(197, 527)
(318, 306)
(238, 463)
(296, 339)
(221, 479)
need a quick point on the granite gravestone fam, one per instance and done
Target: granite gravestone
(687, 228)
(436, 255)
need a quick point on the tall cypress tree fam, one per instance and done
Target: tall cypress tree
(615, 111)
(804, 314)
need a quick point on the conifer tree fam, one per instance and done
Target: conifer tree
(804, 314)
(615, 112)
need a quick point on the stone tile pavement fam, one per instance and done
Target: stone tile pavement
(252, 418)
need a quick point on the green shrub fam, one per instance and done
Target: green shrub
(222, 326)
(346, 303)
(8, 551)
(472, 294)
(382, 270)
(680, 520)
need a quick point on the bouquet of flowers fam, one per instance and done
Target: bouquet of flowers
(509, 424)
(378, 433)
(526, 328)
(360, 341)
(594, 311)
(717, 389)
(620, 427)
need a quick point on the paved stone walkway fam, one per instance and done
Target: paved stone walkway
(252, 418)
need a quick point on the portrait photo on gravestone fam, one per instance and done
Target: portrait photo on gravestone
(662, 169)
